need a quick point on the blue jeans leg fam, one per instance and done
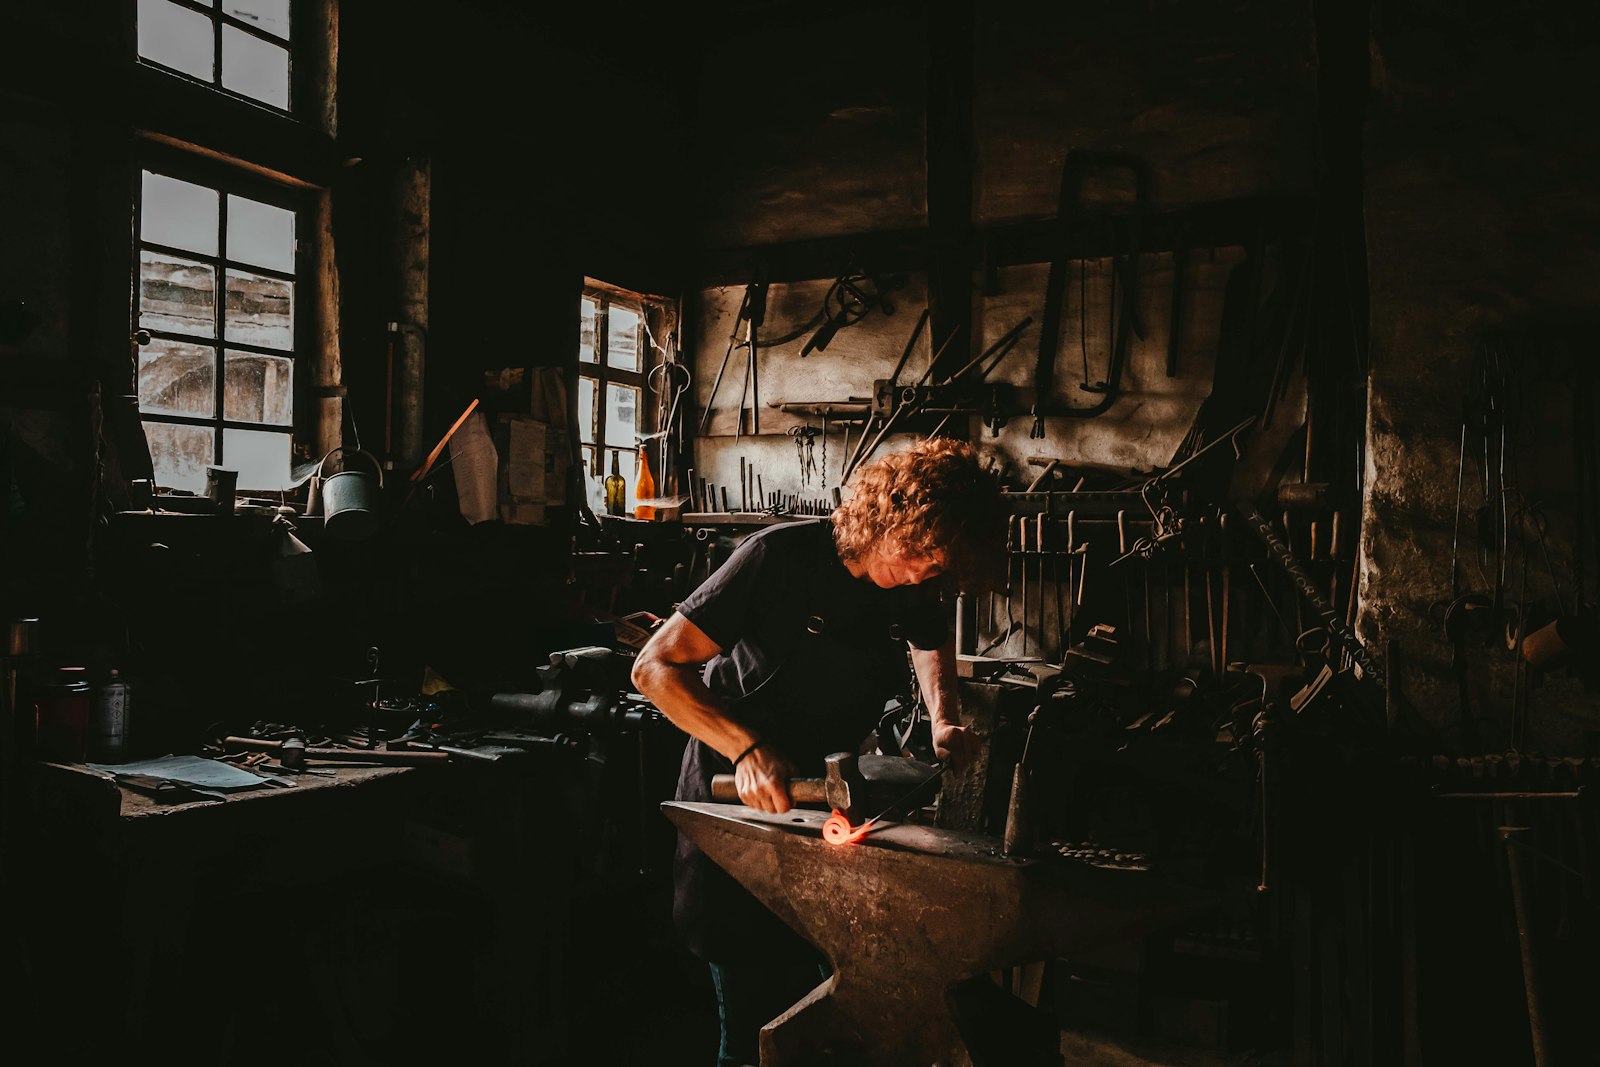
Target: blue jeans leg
(749, 996)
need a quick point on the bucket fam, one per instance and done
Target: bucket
(350, 498)
(63, 711)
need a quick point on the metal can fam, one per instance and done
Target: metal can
(63, 708)
(108, 720)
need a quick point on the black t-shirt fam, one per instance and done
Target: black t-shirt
(804, 642)
(810, 656)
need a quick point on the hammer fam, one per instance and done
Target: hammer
(843, 787)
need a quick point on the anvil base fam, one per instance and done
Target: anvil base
(908, 913)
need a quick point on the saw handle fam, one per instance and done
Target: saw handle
(801, 790)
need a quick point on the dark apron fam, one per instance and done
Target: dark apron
(718, 918)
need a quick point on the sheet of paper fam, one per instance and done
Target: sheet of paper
(190, 770)
(525, 462)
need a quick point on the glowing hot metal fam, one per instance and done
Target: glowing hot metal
(838, 831)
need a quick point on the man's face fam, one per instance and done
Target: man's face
(889, 564)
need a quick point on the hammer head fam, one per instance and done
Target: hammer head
(845, 786)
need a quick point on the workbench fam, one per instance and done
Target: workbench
(313, 916)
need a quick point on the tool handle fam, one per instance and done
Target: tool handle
(354, 755)
(801, 790)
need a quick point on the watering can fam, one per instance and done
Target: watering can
(350, 498)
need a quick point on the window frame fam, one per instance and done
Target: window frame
(204, 132)
(603, 375)
(212, 10)
(237, 181)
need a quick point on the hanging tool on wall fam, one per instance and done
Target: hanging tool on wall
(894, 378)
(755, 299)
(755, 313)
(1278, 551)
(668, 380)
(1165, 527)
(805, 450)
(1124, 307)
(848, 301)
(963, 392)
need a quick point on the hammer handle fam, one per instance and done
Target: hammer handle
(801, 790)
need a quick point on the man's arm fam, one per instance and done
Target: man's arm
(667, 672)
(954, 744)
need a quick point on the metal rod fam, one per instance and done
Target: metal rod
(1279, 551)
(916, 332)
(1007, 340)
(888, 424)
(1515, 838)
(733, 337)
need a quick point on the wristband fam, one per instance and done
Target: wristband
(753, 746)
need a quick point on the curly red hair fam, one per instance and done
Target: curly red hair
(935, 497)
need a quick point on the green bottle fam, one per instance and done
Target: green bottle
(616, 489)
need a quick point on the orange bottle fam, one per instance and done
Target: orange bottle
(644, 488)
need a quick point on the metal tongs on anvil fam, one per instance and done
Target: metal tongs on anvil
(861, 790)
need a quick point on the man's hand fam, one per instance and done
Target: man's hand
(955, 746)
(762, 779)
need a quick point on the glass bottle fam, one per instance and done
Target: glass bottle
(108, 719)
(616, 489)
(646, 487)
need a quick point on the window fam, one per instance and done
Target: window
(616, 336)
(216, 293)
(239, 46)
(227, 260)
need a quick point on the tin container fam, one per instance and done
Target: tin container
(222, 485)
(22, 637)
(351, 498)
(63, 702)
(108, 720)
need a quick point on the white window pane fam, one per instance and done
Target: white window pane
(177, 295)
(180, 454)
(622, 341)
(587, 416)
(622, 414)
(255, 68)
(269, 16)
(177, 379)
(260, 234)
(586, 333)
(178, 213)
(260, 456)
(258, 388)
(176, 37)
(260, 310)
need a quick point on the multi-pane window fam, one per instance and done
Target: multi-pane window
(241, 46)
(216, 294)
(611, 367)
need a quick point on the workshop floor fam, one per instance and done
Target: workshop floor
(644, 1001)
(385, 969)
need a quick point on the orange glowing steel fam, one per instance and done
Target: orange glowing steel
(838, 831)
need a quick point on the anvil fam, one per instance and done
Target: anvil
(907, 913)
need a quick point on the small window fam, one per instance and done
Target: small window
(620, 339)
(217, 295)
(239, 46)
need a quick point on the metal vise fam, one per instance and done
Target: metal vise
(581, 689)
